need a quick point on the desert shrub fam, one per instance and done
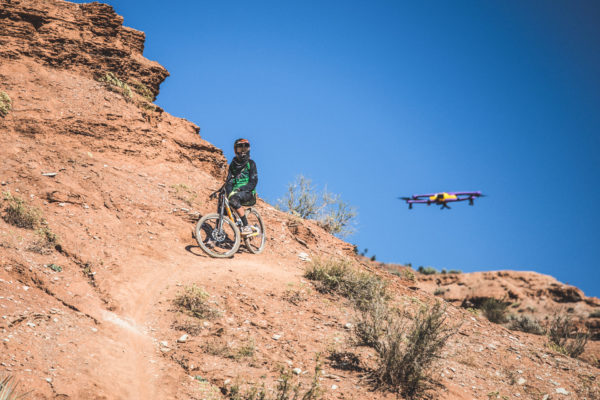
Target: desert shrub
(143, 91)
(494, 310)
(338, 276)
(566, 338)
(18, 213)
(8, 389)
(407, 350)
(327, 209)
(116, 85)
(439, 292)
(408, 274)
(46, 241)
(194, 301)
(286, 389)
(427, 270)
(5, 104)
(594, 314)
(455, 271)
(527, 324)
(371, 323)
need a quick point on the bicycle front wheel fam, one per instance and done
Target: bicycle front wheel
(255, 242)
(219, 243)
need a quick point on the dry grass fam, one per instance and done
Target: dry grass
(19, 214)
(286, 389)
(194, 302)
(5, 104)
(340, 277)
(8, 389)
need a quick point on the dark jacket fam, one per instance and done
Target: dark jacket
(241, 177)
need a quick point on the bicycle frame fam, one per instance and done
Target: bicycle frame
(225, 210)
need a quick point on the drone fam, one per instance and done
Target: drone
(441, 199)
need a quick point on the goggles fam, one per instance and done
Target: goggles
(242, 146)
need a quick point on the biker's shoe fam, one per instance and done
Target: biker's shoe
(246, 230)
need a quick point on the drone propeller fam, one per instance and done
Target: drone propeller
(404, 198)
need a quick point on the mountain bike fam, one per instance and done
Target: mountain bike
(218, 234)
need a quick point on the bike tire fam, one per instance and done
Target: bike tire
(255, 244)
(204, 234)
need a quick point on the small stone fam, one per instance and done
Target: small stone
(334, 387)
(94, 330)
(562, 391)
(297, 371)
(491, 346)
(164, 343)
(303, 256)
(521, 381)
(165, 349)
(348, 326)
(49, 380)
(31, 324)
(546, 397)
(276, 337)
(183, 338)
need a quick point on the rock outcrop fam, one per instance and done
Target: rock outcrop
(89, 39)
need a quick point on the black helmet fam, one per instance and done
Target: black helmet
(241, 147)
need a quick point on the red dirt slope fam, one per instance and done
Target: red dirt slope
(130, 182)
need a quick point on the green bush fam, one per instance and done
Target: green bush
(143, 91)
(194, 301)
(495, 310)
(527, 324)
(18, 213)
(427, 270)
(116, 85)
(5, 104)
(327, 209)
(566, 338)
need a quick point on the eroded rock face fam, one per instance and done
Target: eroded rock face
(87, 38)
(528, 293)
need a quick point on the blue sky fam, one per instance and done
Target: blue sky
(380, 99)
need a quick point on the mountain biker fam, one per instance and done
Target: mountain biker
(242, 178)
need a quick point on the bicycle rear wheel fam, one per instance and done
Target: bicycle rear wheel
(217, 243)
(255, 242)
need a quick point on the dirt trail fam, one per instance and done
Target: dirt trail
(91, 316)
